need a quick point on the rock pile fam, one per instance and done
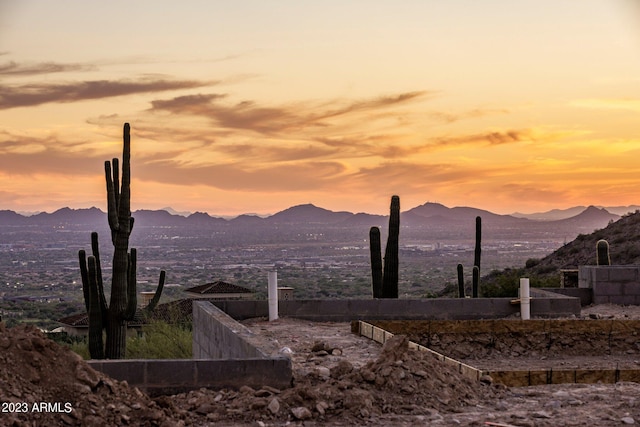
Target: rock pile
(45, 384)
(400, 381)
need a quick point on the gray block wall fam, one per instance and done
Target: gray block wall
(216, 335)
(612, 284)
(543, 304)
(167, 377)
(225, 355)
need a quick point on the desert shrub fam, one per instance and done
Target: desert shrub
(161, 340)
(158, 340)
(81, 348)
(546, 269)
(532, 262)
(501, 284)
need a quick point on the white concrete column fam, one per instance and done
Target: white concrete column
(272, 292)
(525, 299)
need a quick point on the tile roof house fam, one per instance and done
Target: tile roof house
(219, 290)
(174, 312)
(178, 311)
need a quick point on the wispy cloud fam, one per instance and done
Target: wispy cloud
(630, 104)
(450, 117)
(33, 94)
(249, 115)
(486, 138)
(12, 68)
(300, 176)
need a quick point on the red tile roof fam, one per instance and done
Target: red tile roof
(218, 287)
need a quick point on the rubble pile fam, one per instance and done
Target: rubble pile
(400, 381)
(43, 383)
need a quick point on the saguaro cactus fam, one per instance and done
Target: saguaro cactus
(385, 281)
(376, 261)
(478, 251)
(390, 273)
(475, 281)
(602, 252)
(122, 305)
(461, 292)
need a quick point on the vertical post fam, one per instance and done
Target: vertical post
(525, 300)
(272, 291)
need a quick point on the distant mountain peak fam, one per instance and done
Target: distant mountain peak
(175, 212)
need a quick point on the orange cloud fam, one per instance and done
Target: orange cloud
(12, 68)
(29, 95)
(248, 115)
(301, 176)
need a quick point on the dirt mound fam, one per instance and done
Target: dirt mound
(400, 381)
(43, 383)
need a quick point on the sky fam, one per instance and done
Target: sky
(253, 106)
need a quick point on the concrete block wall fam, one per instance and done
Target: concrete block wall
(167, 377)
(216, 335)
(613, 284)
(543, 304)
(226, 355)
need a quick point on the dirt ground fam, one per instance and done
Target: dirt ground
(339, 379)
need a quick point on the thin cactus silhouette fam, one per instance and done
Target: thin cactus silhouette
(461, 291)
(376, 261)
(385, 280)
(391, 259)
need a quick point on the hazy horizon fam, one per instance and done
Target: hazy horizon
(257, 106)
(171, 210)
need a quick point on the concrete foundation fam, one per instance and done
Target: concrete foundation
(593, 337)
(226, 355)
(611, 284)
(543, 304)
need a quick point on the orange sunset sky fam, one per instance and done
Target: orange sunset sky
(255, 106)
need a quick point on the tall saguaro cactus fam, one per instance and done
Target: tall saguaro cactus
(385, 281)
(478, 250)
(391, 261)
(122, 305)
(475, 276)
(376, 261)
(460, 270)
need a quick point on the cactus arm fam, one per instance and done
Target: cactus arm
(112, 213)
(95, 250)
(156, 297)
(460, 269)
(96, 346)
(82, 259)
(116, 180)
(124, 205)
(132, 301)
(376, 262)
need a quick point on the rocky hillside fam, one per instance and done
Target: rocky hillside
(623, 236)
(624, 247)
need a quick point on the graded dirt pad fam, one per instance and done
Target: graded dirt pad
(340, 379)
(516, 345)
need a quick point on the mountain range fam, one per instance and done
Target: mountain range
(427, 216)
